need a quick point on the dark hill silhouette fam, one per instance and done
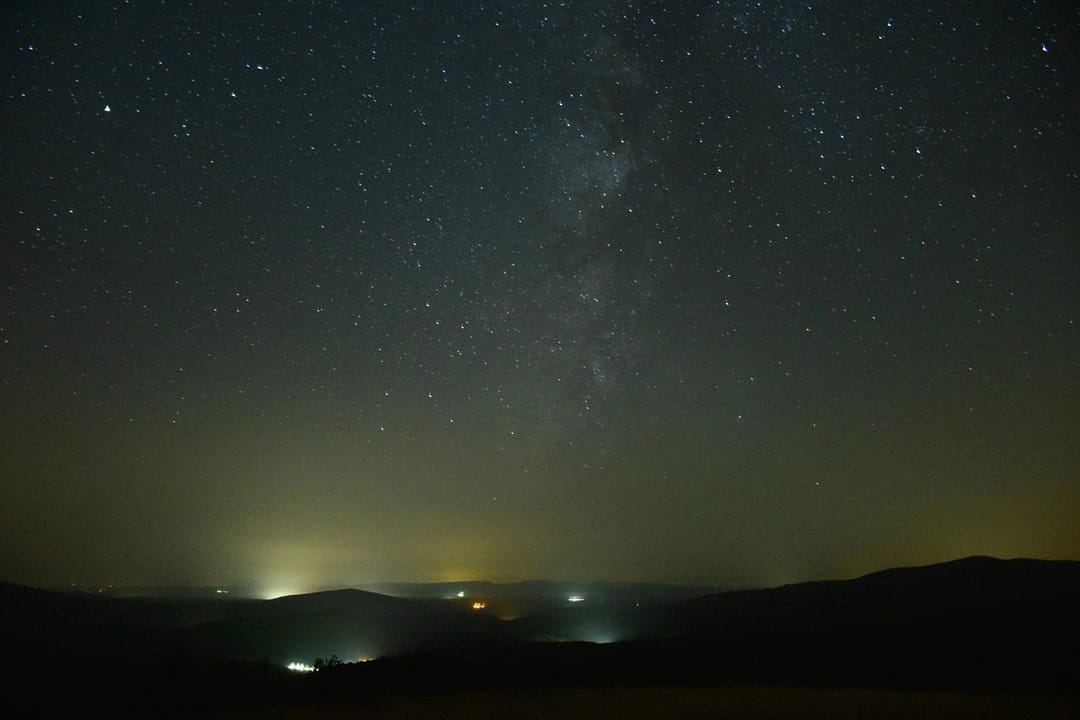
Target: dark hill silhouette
(976, 623)
(1015, 588)
(349, 623)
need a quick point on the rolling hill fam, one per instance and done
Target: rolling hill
(977, 623)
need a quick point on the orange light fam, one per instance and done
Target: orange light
(479, 605)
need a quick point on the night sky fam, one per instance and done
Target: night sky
(306, 294)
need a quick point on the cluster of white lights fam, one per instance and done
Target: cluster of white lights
(576, 598)
(300, 667)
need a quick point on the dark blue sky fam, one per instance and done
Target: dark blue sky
(312, 293)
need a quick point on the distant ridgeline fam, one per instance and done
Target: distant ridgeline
(972, 623)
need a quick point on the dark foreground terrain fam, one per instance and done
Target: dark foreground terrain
(737, 703)
(973, 638)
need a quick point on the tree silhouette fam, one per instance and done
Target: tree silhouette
(331, 661)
